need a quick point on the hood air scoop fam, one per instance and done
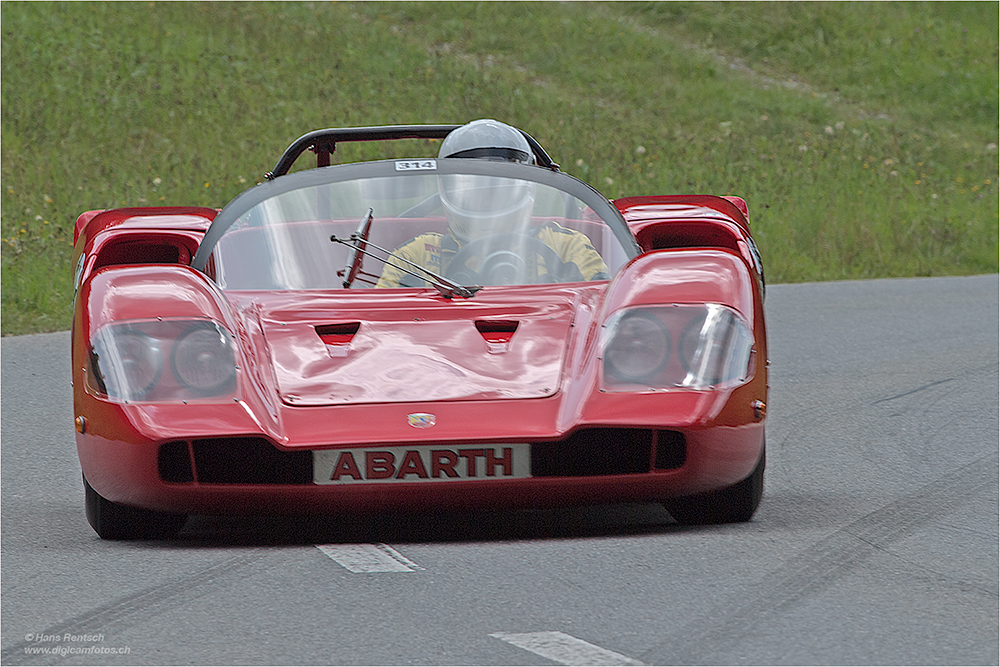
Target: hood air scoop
(497, 334)
(338, 337)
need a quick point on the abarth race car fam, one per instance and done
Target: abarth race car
(476, 330)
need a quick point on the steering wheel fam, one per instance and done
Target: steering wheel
(504, 264)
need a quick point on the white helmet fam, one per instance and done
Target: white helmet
(487, 139)
(481, 205)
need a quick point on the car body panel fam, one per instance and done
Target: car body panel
(446, 357)
(419, 375)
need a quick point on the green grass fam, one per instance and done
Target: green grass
(864, 136)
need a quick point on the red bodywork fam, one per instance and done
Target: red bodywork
(513, 365)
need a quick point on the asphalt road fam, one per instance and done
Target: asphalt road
(876, 542)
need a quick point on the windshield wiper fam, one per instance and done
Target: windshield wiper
(359, 245)
(356, 256)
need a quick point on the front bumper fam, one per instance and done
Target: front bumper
(238, 475)
(249, 457)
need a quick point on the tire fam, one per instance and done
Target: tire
(733, 504)
(114, 521)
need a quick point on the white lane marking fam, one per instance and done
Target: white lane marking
(363, 558)
(564, 649)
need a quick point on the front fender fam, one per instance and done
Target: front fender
(151, 293)
(684, 276)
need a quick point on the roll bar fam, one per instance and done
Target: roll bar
(324, 143)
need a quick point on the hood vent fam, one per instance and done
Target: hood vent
(338, 337)
(496, 333)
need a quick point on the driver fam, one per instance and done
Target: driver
(491, 217)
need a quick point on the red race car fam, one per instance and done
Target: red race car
(478, 329)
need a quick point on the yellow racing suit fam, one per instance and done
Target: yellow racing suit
(434, 252)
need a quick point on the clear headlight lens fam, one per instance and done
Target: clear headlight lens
(127, 360)
(714, 347)
(126, 363)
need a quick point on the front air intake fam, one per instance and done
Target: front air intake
(584, 453)
(671, 450)
(249, 461)
(608, 451)
(594, 451)
(174, 463)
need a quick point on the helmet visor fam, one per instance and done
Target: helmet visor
(484, 195)
(478, 205)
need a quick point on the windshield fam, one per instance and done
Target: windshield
(415, 223)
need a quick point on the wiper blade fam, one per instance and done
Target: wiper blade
(447, 288)
(356, 256)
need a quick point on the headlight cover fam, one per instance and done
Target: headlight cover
(676, 347)
(127, 361)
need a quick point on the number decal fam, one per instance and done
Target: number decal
(416, 165)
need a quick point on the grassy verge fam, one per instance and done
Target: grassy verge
(864, 136)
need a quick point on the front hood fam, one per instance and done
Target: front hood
(377, 347)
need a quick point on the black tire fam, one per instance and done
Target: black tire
(114, 521)
(733, 504)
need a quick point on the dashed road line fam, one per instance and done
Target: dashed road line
(366, 558)
(564, 649)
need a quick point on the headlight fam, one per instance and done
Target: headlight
(203, 361)
(127, 360)
(126, 363)
(639, 348)
(714, 346)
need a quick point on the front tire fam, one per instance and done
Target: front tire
(114, 521)
(733, 504)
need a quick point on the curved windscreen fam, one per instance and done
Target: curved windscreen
(414, 224)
